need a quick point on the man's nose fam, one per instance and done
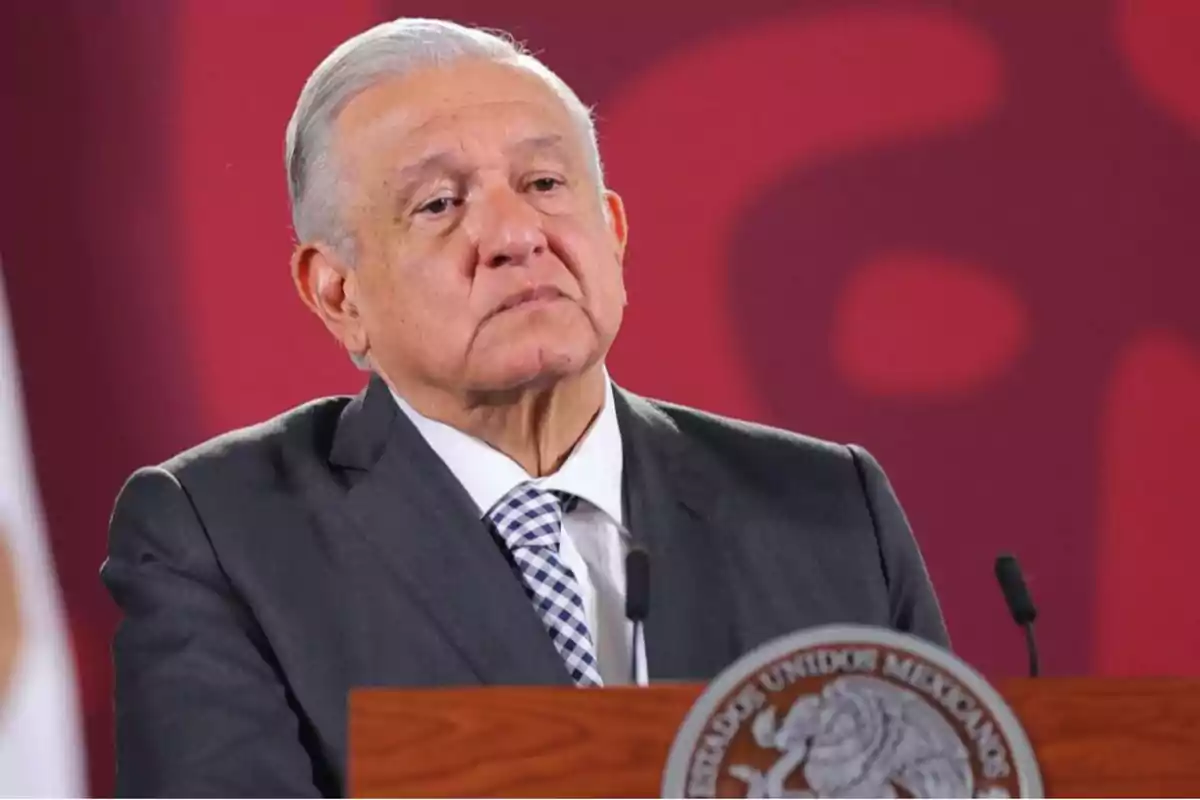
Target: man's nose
(507, 228)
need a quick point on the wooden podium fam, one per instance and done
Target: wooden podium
(1093, 738)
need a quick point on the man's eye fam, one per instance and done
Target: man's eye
(439, 205)
(545, 184)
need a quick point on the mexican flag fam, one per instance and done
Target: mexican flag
(41, 747)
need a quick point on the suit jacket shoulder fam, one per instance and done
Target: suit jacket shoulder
(762, 454)
(193, 547)
(308, 428)
(826, 502)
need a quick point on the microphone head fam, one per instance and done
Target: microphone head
(1016, 594)
(637, 584)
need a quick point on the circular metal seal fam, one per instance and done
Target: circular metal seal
(850, 711)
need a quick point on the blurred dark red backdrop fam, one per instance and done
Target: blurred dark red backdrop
(962, 234)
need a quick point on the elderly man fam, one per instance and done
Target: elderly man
(465, 518)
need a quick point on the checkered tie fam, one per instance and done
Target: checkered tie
(529, 520)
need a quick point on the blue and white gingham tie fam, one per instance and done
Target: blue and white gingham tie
(529, 520)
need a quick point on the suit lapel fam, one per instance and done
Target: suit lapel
(675, 508)
(417, 515)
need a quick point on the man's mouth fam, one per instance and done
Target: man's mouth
(539, 294)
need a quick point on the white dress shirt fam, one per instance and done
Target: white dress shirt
(594, 541)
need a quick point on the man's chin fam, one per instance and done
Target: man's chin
(537, 371)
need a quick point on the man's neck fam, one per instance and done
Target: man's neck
(537, 428)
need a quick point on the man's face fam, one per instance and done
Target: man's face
(488, 258)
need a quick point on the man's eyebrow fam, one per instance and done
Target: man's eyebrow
(529, 144)
(411, 174)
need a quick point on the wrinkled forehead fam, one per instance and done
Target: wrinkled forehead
(479, 108)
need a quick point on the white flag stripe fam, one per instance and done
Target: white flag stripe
(41, 747)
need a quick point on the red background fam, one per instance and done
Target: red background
(962, 234)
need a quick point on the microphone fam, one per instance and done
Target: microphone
(1020, 604)
(637, 601)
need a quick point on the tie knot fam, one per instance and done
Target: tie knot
(529, 516)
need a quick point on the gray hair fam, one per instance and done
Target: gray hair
(388, 50)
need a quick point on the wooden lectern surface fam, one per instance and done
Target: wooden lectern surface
(1093, 738)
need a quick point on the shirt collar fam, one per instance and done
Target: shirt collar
(592, 472)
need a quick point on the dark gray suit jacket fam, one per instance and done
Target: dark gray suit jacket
(264, 574)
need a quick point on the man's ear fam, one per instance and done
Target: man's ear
(330, 288)
(614, 212)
